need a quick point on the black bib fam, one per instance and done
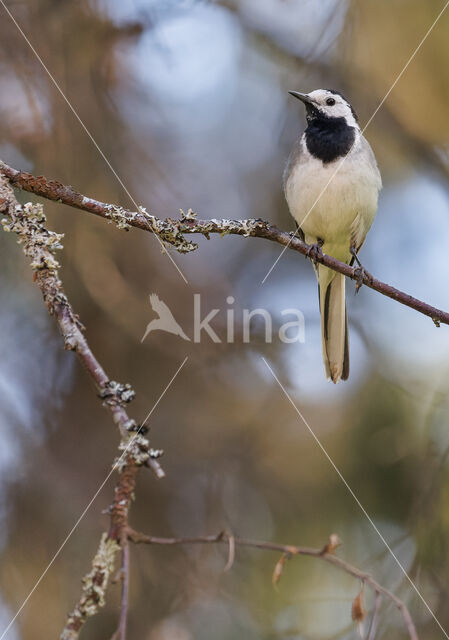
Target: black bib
(328, 138)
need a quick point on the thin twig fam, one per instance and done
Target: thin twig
(223, 538)
(172, 232)
(124, 603)
(373, 624)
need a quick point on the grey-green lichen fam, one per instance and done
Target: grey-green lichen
(115, 393)
(190, 215)
(224, 227)
(171, 233)
(135, 448)
(39, 244)
(122, 218)
(94, 588)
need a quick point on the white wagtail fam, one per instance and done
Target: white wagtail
(332, 184)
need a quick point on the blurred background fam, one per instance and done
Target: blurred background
(188, 100)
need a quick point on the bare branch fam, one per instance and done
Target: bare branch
(289, 551)
(120, 634)
(373, 625)
(173, 232)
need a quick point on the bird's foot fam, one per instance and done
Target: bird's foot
(314, 251)
(360, 273)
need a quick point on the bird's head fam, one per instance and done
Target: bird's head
(327, 104)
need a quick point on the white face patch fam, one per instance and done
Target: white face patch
(341, 108)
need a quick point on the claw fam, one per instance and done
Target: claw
(360, 273)
(314, 251)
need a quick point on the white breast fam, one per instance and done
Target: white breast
(337, 201)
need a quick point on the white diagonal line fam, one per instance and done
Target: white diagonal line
(340, 164)
(72, 109)
(359, 504)
(72, 530)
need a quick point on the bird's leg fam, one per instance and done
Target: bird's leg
(360, 272)
(298, 233)
(314, 251)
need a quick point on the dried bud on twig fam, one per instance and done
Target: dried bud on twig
(332, 545)
(231, 553)
(358, 610)
(279, 568)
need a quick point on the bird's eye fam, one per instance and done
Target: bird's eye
(330, 102)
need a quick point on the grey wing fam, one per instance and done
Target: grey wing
(366, 156)
(293, 159)
(370, 158)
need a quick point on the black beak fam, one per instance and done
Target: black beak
(302, 96)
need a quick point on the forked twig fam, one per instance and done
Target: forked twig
(289, 551)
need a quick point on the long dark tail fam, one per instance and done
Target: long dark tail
(334, 325)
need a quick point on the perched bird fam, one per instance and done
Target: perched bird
(331, 184)
(165, 321)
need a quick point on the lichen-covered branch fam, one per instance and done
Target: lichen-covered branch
(116, 539)
(325, 553)
(39, 245)
(95, 584)
(172, 232)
